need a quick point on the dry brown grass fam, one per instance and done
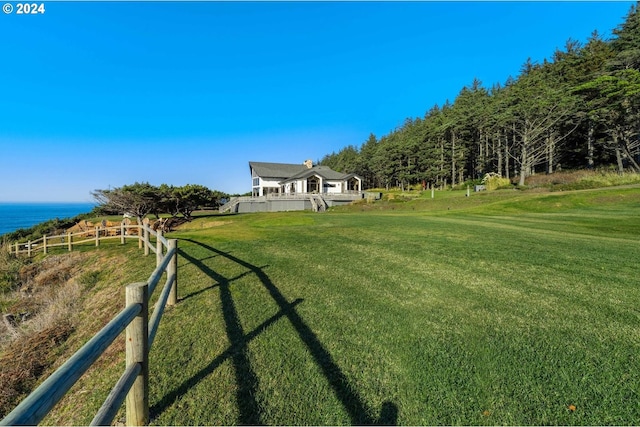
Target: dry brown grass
(569, 177)
(43, 306)
(40, 282)
(581, 180)
(24, 360)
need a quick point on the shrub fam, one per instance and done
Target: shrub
(10, 267)
(49, 227)
(468, 183)
(493, 181)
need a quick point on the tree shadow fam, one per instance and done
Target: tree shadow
(247, 381)
(208, 288)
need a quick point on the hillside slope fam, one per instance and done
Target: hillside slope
(502, 308)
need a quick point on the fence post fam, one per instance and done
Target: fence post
(97, 236)
(172, 268)
(29, 248)
(145, 233)
(158, 247)
(69, 240)
(122, 232)
(137, 349)
(44, 244)
(17, 248)
(140, 236)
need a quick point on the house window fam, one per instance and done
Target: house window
(313, 184)
(256, 182)
(271, 190)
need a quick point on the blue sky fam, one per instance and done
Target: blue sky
(103, 94)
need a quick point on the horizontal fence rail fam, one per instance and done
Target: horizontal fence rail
(93, 235)
(140, 329)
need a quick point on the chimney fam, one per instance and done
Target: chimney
(308, 164)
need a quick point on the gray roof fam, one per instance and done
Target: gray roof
(291, 172)
(276, 170)
(323, 171)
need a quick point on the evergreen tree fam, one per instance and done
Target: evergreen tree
(580, 108)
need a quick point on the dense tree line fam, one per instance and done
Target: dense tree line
(141, 199)
(578, 109)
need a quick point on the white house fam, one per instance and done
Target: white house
(285, 178)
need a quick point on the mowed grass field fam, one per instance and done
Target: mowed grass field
(507, 308)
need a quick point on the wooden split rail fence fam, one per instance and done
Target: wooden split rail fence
(93, 235)
(140, 330)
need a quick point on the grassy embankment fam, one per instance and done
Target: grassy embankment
(500, 308)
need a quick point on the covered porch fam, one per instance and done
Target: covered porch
(316, 183)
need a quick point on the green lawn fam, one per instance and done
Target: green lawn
(505, 308)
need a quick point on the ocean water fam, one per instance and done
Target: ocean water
(23, 215)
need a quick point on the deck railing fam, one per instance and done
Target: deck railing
(140, 331)
(350, 195)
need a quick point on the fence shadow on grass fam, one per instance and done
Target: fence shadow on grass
(246, 378)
